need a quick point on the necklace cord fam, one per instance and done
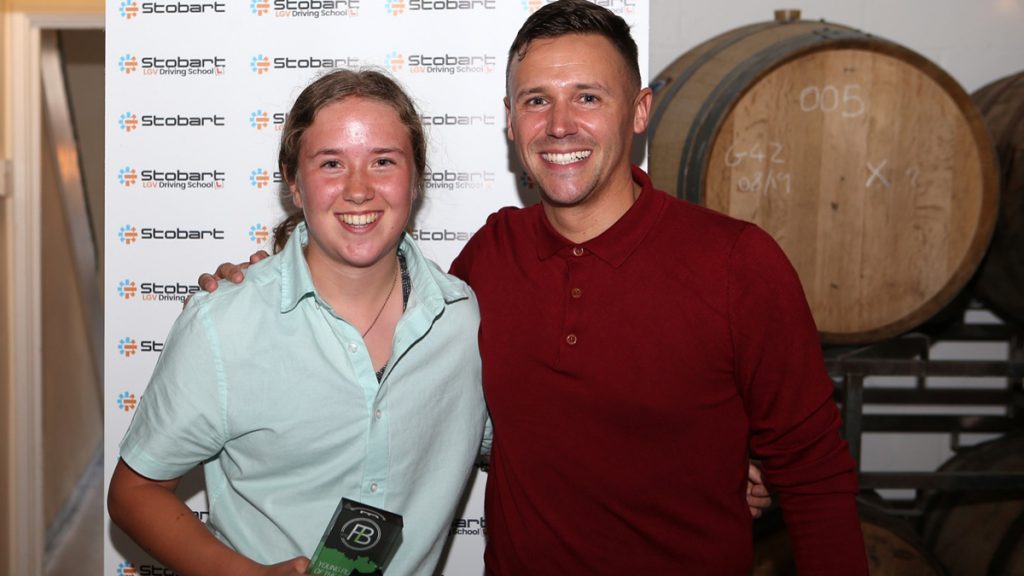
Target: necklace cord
(382, 306)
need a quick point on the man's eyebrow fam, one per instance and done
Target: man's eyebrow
(578, 86)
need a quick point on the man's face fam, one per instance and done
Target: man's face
(572, 112)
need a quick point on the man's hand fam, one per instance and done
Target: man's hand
(758, 498)
(294, 566)
(234, 273)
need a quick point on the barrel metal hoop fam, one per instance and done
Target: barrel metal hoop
(693, 68)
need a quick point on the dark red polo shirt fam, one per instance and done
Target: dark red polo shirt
(628, 380)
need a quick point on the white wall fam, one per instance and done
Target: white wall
(975, 41)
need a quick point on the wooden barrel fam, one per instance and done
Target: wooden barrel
(976, 533)
(869, 165)
(892, 546)
(1000, 282)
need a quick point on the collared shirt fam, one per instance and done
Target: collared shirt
(277, 394)
(630, 376)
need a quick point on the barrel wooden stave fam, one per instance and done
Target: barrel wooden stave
(974, 533)
(1000, 281)
(884, 203)
(892, 547)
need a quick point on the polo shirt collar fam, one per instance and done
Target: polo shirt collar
(432, 288)
(616, 243)
(296, 280)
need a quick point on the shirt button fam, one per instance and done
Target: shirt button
(576, 292)
(571, 339)
(377, 414)
(352, 347)
(577, 251)
(373, 488)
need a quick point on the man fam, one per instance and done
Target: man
(634, 346)
(637, 349)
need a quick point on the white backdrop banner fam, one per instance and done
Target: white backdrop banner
(196, 97)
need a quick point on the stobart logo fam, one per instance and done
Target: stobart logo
(459, 120)
(395, 61)
(128, 235)
(259, 7)
(439, 235)
(525, 181)
(127, 347)
(155, 291)
(260, 178)
(127, 402)
(128, 122)
(126, 569)
(451, 64)
(261, 64)
(314, 8)
(450, 5)
(183, 66)
(259, 119)
(127, 176)
(128, 9)
(395, 7)
(126, 289)
(619, 7)
(182, 179)
(455, 180)
(127, 63)
(259, 233)
(469, 526)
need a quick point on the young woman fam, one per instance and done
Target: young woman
(345, 366)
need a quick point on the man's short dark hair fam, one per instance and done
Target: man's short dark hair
(576, 17)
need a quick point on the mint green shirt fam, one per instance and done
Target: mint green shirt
(277, 395)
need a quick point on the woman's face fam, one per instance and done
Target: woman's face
(355, 184)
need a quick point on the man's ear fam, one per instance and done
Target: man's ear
(508, 120)
(642, 110)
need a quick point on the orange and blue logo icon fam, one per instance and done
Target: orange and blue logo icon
(532, 5)
(126, 289)
(127, 176)
(395, 61)
(525, 181)
(395, 7)
(127, 63)
(127, 347)
(259, 233)
(259, 119)
(128, 122)
(260, 64)
(126, 569)
(259, 178)
(126, 401)
(259, 7)
(128, 234)
(129, 9)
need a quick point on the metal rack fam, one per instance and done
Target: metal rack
(909, 355)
